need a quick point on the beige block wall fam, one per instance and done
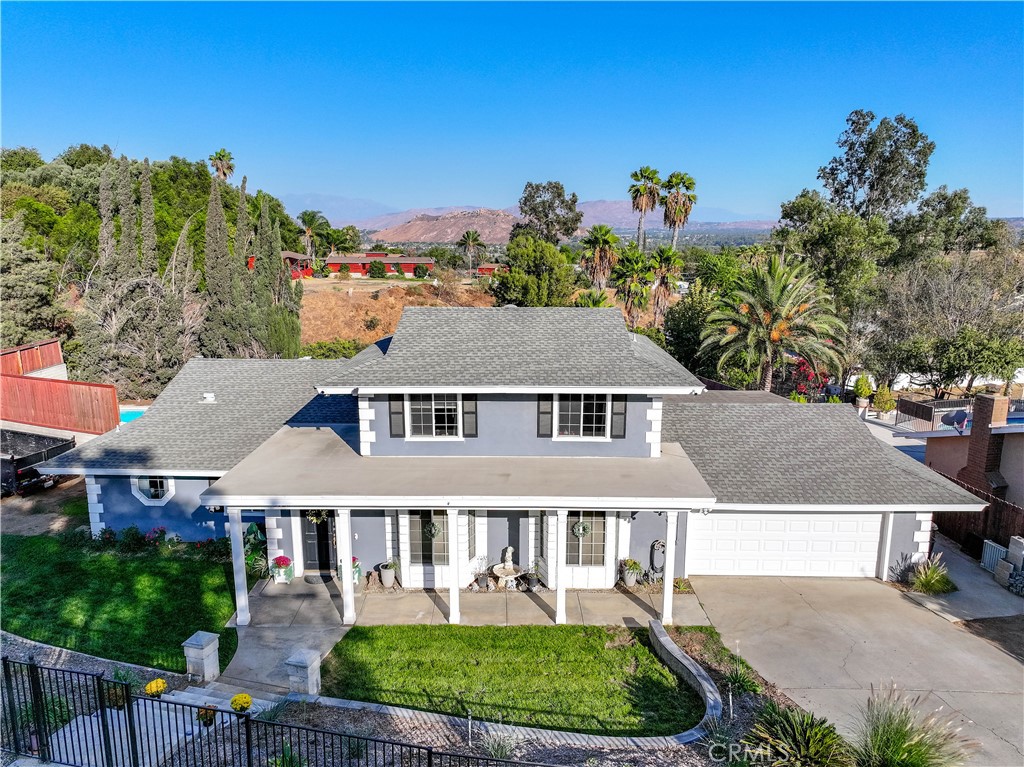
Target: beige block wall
(1012, 467)
(946, 454)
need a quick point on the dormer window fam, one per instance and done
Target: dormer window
(153, 491)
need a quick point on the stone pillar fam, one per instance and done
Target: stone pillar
(201, 658)
(454, 579)
(238, 567)
(343, 539)
(561, 572)
(304, 672)
(671, 527)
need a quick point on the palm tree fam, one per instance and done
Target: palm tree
(222, 163)
(633, 275)
(776, 309)
(470, 244)
(645, 194)
(678, 201)
(315, 227)
(600, 243)
(592, 299)
(668, 267)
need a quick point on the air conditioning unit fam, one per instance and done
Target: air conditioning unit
(992, 553)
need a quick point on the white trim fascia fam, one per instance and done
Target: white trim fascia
(858, 508)
(930, 434)
(140, 472)
(459, 502)
(373, 390)
(146, 500)
(1011, 428)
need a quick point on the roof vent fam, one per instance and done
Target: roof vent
(209, 396)
(509, 306)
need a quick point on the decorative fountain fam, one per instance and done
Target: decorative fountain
(507, 573)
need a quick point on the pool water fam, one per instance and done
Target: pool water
(129, 413)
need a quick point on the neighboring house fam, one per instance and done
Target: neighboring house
(487, 270)
(296, 261)
(986, 451)
(555, 431)
(359, 263)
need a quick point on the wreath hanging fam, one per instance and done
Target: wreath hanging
(432, 529)
(316, 516)
(581, 529)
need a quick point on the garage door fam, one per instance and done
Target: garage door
(842, 545)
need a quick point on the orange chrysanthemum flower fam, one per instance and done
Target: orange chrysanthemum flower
(744, 308)
(731, 330)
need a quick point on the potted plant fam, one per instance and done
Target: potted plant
(283, 569)
(631, 570)
(862, 391)
(156, 688)
(206, 716)
(482, 577)
(532, 578)
(241, 702)
(388, 570)
(885, 403)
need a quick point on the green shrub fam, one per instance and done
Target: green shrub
(371, 323)
(884, 401)
(377, 270)
(862, 387)
(741, 679)
(132, 540)
(339, 348)
(833, 400)
(797, 397)
(892, 733)
(287, 758)
(932, 577)
(57, 712)
(420, 271)
(788, 736)
(75, 539)
(499, 745)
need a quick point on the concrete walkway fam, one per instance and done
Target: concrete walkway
(886, 432)
(299, 615)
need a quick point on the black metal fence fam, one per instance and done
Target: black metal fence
(86, 720)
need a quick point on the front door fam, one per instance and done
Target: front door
(318, 544)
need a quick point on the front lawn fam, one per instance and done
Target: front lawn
(135, 609)
(584, 678)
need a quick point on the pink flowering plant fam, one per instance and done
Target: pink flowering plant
(282, 561)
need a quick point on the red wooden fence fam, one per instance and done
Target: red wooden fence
(999, 522)
(67, 405)
(20, 360)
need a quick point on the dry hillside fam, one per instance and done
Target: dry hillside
(494, 227)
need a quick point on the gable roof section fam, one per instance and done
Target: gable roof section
(182, 433)
(516, 348)
(814, 455)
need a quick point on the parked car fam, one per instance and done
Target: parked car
(20, 452)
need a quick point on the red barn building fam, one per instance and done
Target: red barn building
(359, 263)
(487, 270)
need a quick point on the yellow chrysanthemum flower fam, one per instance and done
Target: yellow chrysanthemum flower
(241, 702)
(156, 688)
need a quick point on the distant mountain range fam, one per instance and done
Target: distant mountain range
(494, 227)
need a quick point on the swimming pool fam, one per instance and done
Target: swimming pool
(131, 412)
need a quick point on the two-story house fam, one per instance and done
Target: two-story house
(554, 431)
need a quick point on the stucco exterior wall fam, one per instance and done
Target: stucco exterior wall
(1012, 467)
(946, 454)
(507, 425)
(645, 528)
(183, 514)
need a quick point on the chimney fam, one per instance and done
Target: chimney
(985, 449)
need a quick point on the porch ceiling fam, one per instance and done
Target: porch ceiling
(309, 467)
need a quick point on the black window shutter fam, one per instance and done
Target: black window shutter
(396, 414)
(468, 415)
(618, 416)
(545, 406)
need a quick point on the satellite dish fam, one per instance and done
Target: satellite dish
(957, 419)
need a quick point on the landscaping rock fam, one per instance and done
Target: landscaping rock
(1003, 572)
(1015, 552)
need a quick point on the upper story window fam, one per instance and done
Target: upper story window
(583, 415)
(432, 416)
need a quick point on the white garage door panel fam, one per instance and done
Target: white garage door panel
(840, 545)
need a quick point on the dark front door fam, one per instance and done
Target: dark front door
(318, 545)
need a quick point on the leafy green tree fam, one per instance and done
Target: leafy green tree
(471, 244)
(777, 310)
(338, 349)
(654, 334)
(668, 268)
(377, 270)
(51, 196)
(444, 258)
(20, 158)
(644, 193)
(537, 275)
(344, 240)
(882, 167)
(86, 154)
(678, 201)
(27, 280)
(222, 164)
(632, 277)
(719, 271)
(945, 223)
(548, 212)
(684, 324)
(592, 299)
(600, 254)
(36, 217)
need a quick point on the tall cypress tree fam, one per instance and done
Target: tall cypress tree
(128, 255)
(219, 338)
(150, 260)
(106, 242)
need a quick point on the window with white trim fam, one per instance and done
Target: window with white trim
(583, 415)
(585, 544)
(152, 491)
(434, 415)
(428, 537)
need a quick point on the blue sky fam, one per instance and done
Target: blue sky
(422, 104)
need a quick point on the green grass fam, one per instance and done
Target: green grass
(582, 678)
(75, 507)
(136, 609)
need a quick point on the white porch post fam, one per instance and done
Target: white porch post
(561, 572)
(238, 567)
(454, 581)
(671, 526)
(343, 538)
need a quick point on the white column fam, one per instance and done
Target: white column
(882, 568)
(561, 572)
(238, 567)
(343, 537)
(671, 525)
(454, 580)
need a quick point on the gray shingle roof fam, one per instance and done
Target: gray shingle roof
(803, 454)
(514, 346)
(180, 432)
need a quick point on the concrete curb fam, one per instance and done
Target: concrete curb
(681, 664)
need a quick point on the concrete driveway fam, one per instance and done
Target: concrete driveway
(825, 642)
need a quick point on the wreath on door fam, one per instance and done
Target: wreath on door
(316, 516)
(432, 530)
(581, 529)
